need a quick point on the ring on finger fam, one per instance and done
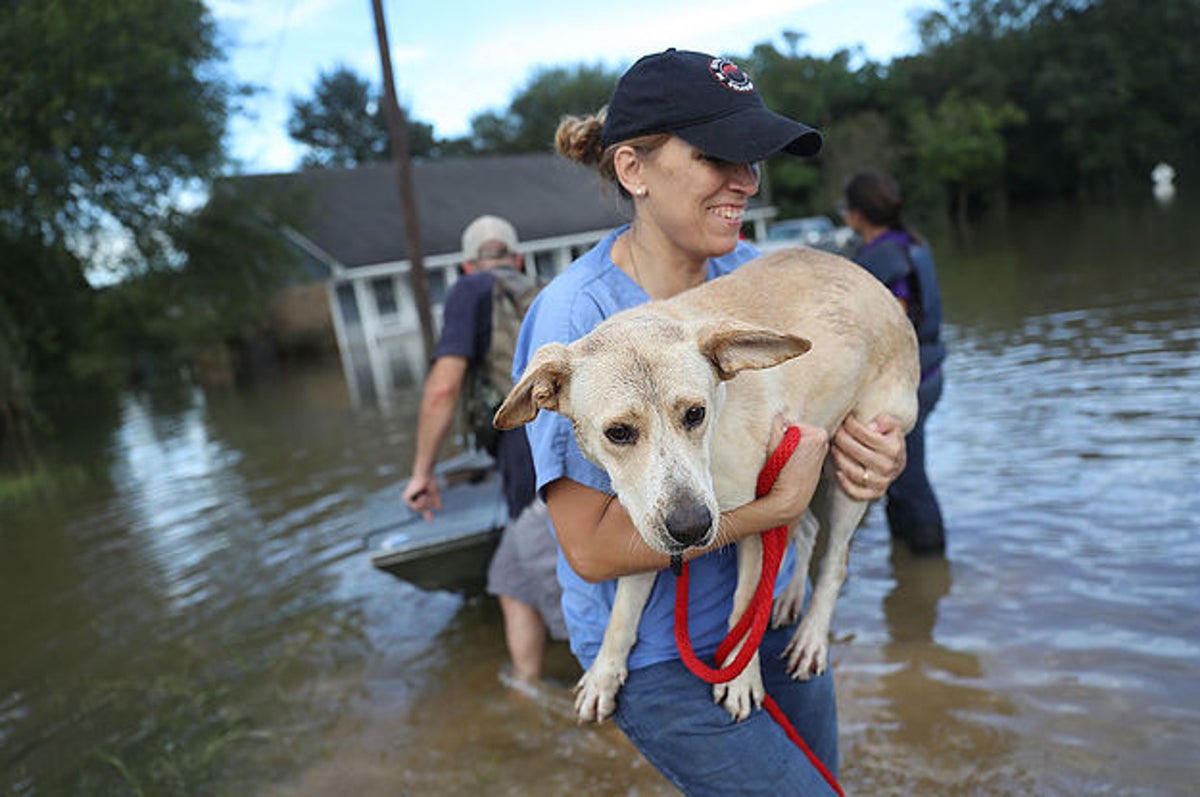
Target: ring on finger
(866, 477)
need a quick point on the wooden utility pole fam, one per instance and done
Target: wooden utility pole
(398, 137)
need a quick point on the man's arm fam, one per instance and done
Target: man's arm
(439, 398)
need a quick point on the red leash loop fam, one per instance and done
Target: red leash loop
(753, 623)
(758, 613)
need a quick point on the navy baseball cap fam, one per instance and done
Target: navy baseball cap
(707, 101)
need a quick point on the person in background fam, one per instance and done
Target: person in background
(681, 138)
(521, 573)
(872, 207)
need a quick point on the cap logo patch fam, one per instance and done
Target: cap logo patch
(730, 75)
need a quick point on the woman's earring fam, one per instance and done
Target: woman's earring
(641, 191)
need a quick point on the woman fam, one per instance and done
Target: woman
(873, 208)
(681, 139)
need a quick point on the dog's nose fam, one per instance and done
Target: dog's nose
(687, 525)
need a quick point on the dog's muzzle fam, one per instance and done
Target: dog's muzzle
(688, 525)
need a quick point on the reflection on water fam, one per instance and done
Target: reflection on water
(199, 617)
(1052, 655)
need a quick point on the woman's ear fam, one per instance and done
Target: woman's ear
(627, 164)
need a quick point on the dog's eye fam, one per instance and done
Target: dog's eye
(693, 417)
(622, 434)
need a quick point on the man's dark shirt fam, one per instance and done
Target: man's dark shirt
(467, 332)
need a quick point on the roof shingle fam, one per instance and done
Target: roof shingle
(355, 214)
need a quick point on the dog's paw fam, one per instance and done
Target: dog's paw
(596, 691)
(788, 606)
(808, 651)
(742, 694)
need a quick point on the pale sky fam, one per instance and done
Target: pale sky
(456, 58)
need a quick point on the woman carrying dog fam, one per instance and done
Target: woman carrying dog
(681, 139)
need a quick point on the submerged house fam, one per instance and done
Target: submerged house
(352, 233)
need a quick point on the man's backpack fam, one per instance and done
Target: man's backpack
(512, 293)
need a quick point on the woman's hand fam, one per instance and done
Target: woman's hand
(794, 487)
(868, 456)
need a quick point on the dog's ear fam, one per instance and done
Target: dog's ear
(539, 388)
(733, 347)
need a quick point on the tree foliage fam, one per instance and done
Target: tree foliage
(1053, 97)
(862, 141)
(536, 109)
(105, 108)
(823, 92)
(109, 114)
(1098, 81)
(45, 304)
(960, 147)
(236, 261)
(343, 124)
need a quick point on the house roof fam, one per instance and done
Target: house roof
(354, 215)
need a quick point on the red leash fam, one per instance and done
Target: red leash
(753, 623)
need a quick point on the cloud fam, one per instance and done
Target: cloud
(711, 26)
(403, 54)
(260, 143)
(489, 67)
(268, 20)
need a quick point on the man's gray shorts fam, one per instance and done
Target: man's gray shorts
(524, 566)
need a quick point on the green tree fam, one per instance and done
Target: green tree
(343, 125)
(862, 141)
(235, 259)
(1098, 79)
(106, 111)
(1108, 98)
(961, 146)
(840, 96)
(533, 115)
(46, 325)
(817, 90)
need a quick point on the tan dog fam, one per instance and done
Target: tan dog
(653, 399)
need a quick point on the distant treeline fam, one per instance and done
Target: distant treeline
(1006, 99)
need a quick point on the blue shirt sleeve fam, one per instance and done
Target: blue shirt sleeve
(564, 312)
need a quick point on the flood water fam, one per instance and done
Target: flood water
(194, 614)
